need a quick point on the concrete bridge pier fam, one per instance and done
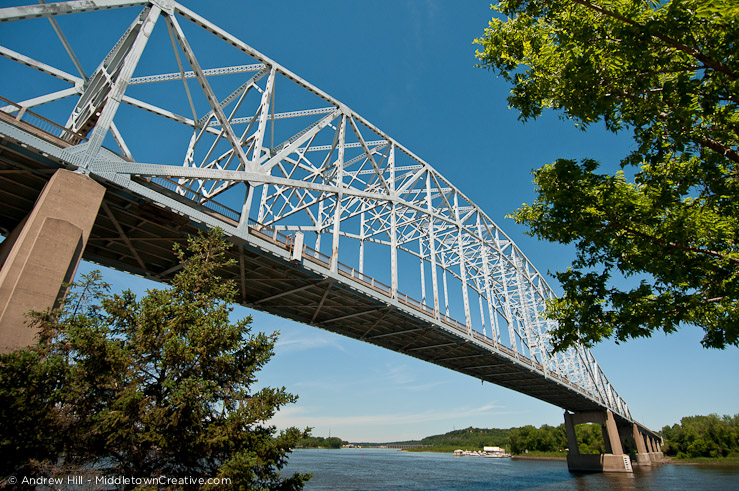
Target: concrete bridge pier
(647, 448)
(614, 460)
(43, 251)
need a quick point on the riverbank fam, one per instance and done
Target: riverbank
(558, 456)
(538, 457)
(529, 456)
(725, 461)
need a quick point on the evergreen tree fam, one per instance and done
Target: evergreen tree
(156, 386)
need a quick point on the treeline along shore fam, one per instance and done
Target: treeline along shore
(709, 438)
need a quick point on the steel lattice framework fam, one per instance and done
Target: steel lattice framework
(313, 170)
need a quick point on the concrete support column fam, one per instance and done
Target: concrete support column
(571, 435)
(642, 455)
(657, 456)
(614, 438)
(639, 440)
(43, 252)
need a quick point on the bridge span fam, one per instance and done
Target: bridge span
(331, 219)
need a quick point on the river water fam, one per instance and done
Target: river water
(388, 469)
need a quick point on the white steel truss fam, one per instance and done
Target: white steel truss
(314, 167)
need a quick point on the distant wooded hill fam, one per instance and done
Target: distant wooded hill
(468, 438)
(709, 436)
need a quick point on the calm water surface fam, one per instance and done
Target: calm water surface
(387, 469)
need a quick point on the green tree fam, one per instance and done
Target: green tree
(667, 73)
(590, 438)
(544, 439)
(703, 436)
(146, 387)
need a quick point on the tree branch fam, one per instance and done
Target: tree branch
(707, 61)
(718, 147)
(665, 243)
(704, 141)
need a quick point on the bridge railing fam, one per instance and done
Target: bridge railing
(15, 111)
(363, 278)
(286, 241)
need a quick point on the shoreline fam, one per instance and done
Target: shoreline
(537, 457)
(667, 460)
(688, 462)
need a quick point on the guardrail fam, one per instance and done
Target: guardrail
(22, 114)
(287, 242)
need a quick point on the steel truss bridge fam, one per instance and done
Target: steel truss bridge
(334, 223)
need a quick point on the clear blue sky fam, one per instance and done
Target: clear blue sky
(408, 67)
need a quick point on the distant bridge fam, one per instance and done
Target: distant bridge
(334, 223)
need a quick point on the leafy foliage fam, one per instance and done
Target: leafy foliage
(321, 442)
(666, 72)
(703, 436)
(146, 387)
(544, 439)
(554, 439)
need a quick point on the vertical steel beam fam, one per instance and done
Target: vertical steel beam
(339, 195)
(523, 308)
(507, 308)
(484, 251)
(462, 265)
(319, 226)
(446, 290)
(482, 316)
(421, 256)
(393, 227)
(243, 226)
(362, 226)
(264, 105)
(263, 204)
(432, 246)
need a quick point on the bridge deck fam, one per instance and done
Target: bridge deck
(135, 235)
